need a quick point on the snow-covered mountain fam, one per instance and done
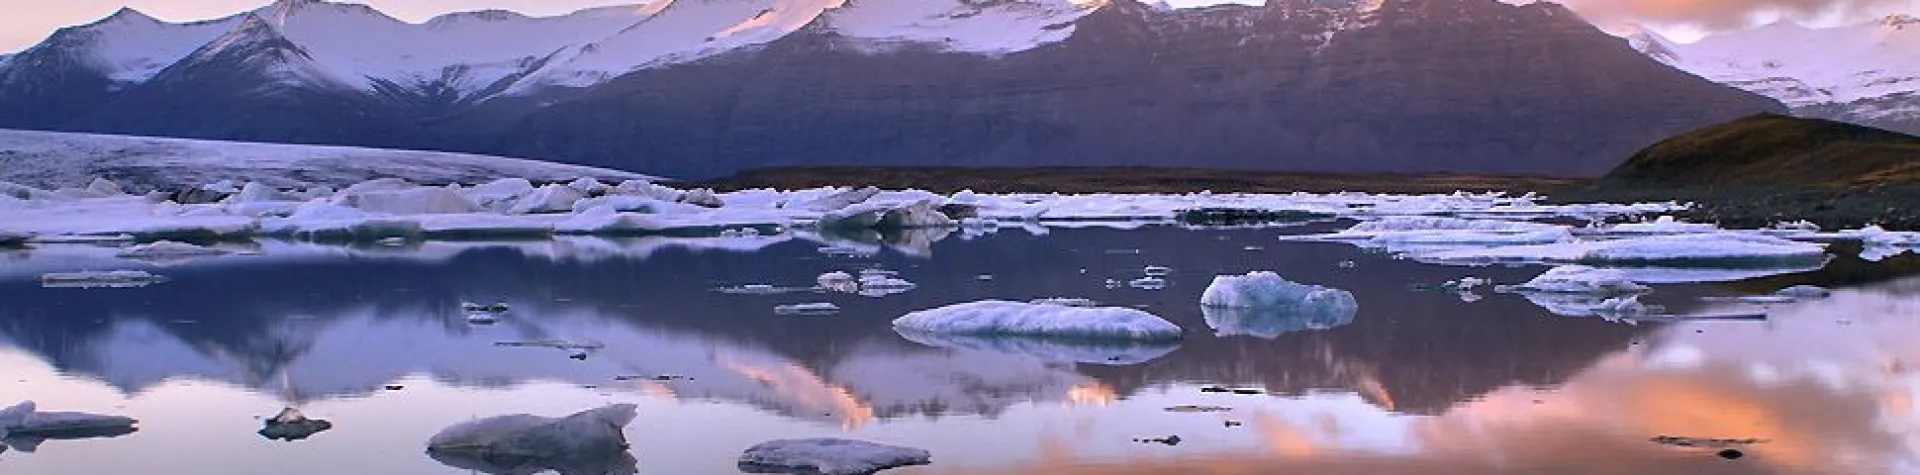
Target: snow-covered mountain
(1866, 73)
(712, 86)
(54, 160)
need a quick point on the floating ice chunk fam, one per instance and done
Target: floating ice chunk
(1717, 250)
(25, 419)
(1878, 236)
(1157, 271)
(996, 317)
(404, 201)
(1661, 225)
(552, 343)
(646, 189)
(828, 457)
(1266, 305)
(818, 308)
(168, 250)
(547, 199)
(1623, 306)
(499, 195)
(837, 281)
(290, 425)
(93, 279)
(1582, 279)
(530, 442)
(1877, 253)
(254, 192)
(1148, 283)
(881, 285)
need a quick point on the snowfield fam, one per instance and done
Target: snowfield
(53, 159)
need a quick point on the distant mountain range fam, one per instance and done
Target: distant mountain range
(698, 88)
(1867, 73)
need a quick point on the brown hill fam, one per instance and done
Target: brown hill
(1774, 150)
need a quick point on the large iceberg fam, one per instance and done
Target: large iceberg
(828, 457)
(1004, 318)
(1266, 305)
(523, 443)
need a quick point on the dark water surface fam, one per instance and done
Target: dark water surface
(1418, 383)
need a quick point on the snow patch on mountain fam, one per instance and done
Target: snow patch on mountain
(683, 30)
(1803, 66)
(960, 25)
(131, 47)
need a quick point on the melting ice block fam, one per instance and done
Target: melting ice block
(828, 457)
(1004, 318)
(1266, 305)
(168, 250)
(1580, 279)
(530, 443)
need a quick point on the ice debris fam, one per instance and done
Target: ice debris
(106, 279)
(168, 250)
(1711, 250)
(818, 308)
(997, 317)
(1580, 279)
(828, 457)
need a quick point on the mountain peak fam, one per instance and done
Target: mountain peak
(129, 14)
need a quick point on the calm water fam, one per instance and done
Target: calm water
(1418, 383)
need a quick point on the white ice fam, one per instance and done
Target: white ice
(168, 250)
(1580, 279)
(997, 317)
(1713, 250)
(830, 456)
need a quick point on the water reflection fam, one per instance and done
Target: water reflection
(1415, 382)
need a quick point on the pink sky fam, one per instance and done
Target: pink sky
(29, 21)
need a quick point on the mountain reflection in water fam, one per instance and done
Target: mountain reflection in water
(1417, 381)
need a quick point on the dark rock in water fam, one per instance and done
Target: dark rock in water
(1215, 389)
(197, 196)
(1168, 440)
(1244, 217)
(1730, 454)
(290, 425)
(395, 387)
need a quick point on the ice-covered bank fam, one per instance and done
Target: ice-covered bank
(1734, 250)
(1004, 318)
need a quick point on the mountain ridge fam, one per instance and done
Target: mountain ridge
(1530, 88)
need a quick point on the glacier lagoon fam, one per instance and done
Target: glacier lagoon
(1428, 374)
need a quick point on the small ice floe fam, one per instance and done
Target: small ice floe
(168, 251)
(1265, 305)
(1723, 250)
(1805, 292)
(847, 251)
(1661, 225)
(1148, 283)
(1580, 279)
(24, 421)
(555, 344)
(759, 289)
(1110, 352)
(1157, 271)
(100, 279)
(496, 307)
(819, 308)
(290, 425)
(881, 283)
(828, 457)
(838, 281)
(590, 441)
(997, 317)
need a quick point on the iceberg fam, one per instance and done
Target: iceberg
(547, 199)
(95, 279)
(819, 308)
(828, 457)
(1580, 279)
(1267, 290)
(527, 443)
(1804, 292)
(1004, 318)
(1100, 352)
(406, 201)
(1661, 225)
(168, 250)
(1713, 250)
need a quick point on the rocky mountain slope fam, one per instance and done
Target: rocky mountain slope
(697, 88)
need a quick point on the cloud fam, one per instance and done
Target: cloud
(1727, 14)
